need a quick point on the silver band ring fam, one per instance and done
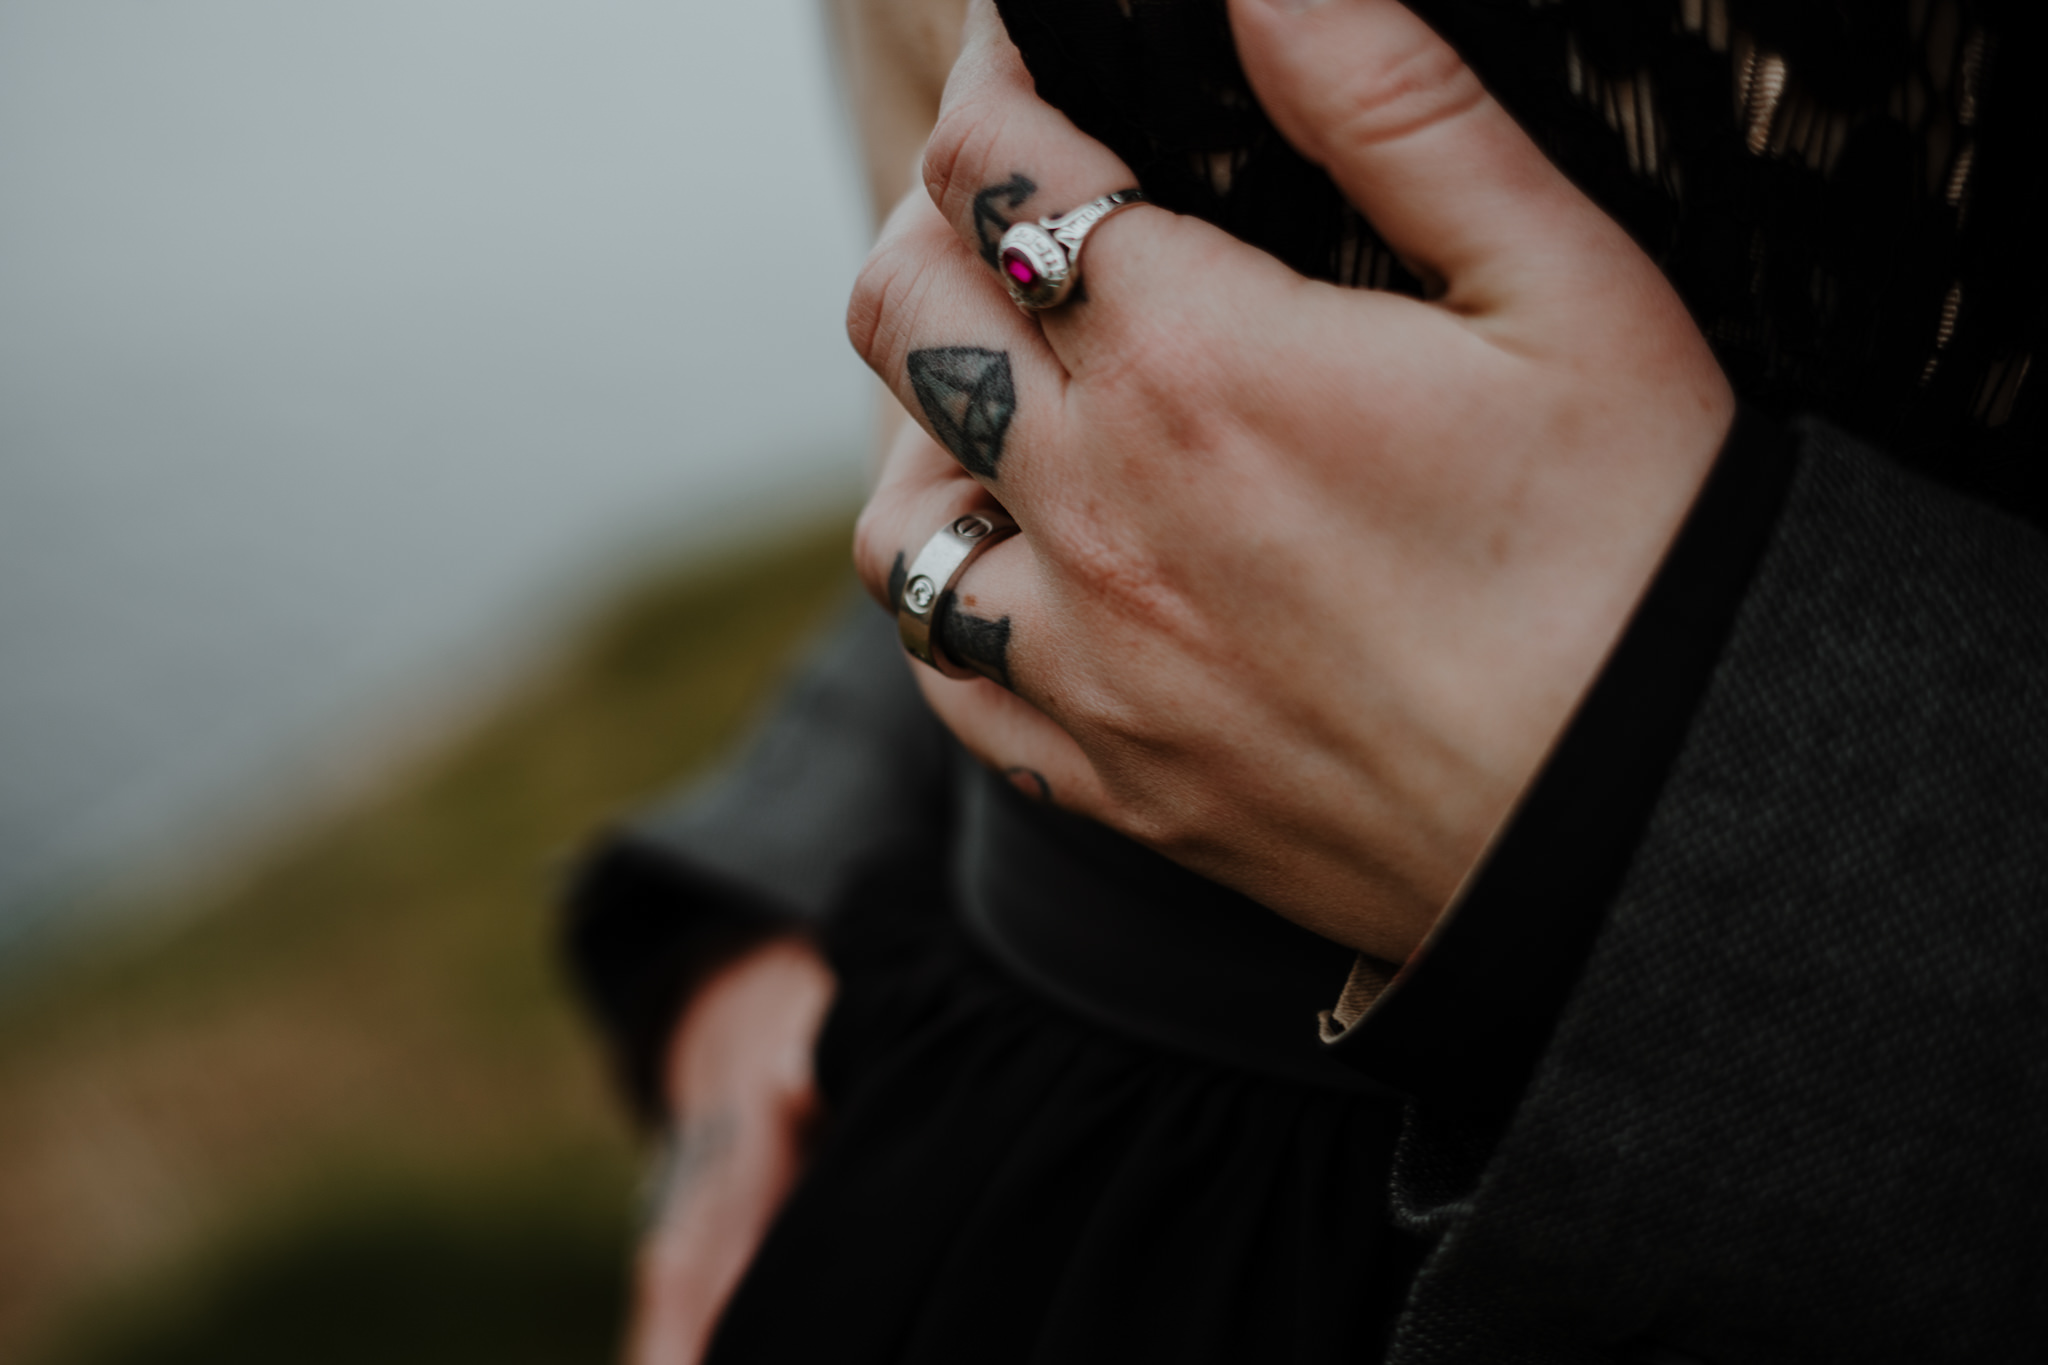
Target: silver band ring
(1040, 262)
(933, 573)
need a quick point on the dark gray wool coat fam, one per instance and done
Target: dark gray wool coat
(1796, 1107)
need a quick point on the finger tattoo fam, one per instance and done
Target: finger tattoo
(976, 641)
(897, 573)
(969, 397)
(991, 222)
(1031, 782)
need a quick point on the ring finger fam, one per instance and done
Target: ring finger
(989, 621)
(921, 492)
(1000, 155)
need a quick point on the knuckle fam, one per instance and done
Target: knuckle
(1171, 353)
(1162, 370)
(1160, 824)
(1414, 86)
(1124, 581)
(1142, 819)
(877, 312)
(873, 550)
(1176, 818)
(1171, 413)
(876, 551)
(960, 143)
(868, 306)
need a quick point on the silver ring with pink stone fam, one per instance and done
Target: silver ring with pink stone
(1041, 262)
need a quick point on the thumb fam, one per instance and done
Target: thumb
(1370, 93)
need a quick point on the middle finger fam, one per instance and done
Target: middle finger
(1000, 155)
(975, 373)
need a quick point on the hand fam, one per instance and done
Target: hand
(739, 1081)
(1309, 577)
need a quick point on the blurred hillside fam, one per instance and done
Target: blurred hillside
(342, 1109)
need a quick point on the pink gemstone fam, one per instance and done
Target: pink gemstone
(1018, 268)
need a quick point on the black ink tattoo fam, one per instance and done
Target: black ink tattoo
(897, 573)
(990, 222)
(968, 396)
(1031, 782)
(979, 643)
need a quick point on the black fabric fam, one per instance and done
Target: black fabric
(1001, 1181)
(1520, 932)
(850, 767)
(1851, 198)
(1118, 934)
(644, 927)
(1794, 1109)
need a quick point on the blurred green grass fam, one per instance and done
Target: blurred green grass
(344, 1109)
(386, 1268)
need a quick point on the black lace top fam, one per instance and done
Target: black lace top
(1851, 195)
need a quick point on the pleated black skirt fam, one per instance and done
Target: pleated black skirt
(1001, 1180)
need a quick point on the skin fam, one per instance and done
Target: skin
(738, 1076)
(1309, 577)
(739, 1082)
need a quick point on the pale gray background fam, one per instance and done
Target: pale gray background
(347, 347)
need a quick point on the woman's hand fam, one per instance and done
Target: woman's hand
(1309, 577)
(739, 1081)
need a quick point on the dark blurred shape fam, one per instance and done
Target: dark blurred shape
(1824, 240)
(337, 1106)
(402, 1275)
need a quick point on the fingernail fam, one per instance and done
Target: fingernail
(1295, 6)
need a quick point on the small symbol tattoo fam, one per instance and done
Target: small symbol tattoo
(897, 573)
(990, 222)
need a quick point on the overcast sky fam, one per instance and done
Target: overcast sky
(337, 339)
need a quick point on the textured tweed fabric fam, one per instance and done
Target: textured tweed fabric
(1797, 1109)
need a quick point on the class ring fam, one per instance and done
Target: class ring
(1041, 262)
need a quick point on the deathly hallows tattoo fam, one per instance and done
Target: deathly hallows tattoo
(968, 396)
(990, 222)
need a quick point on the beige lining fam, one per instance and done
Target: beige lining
(1369, 979)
